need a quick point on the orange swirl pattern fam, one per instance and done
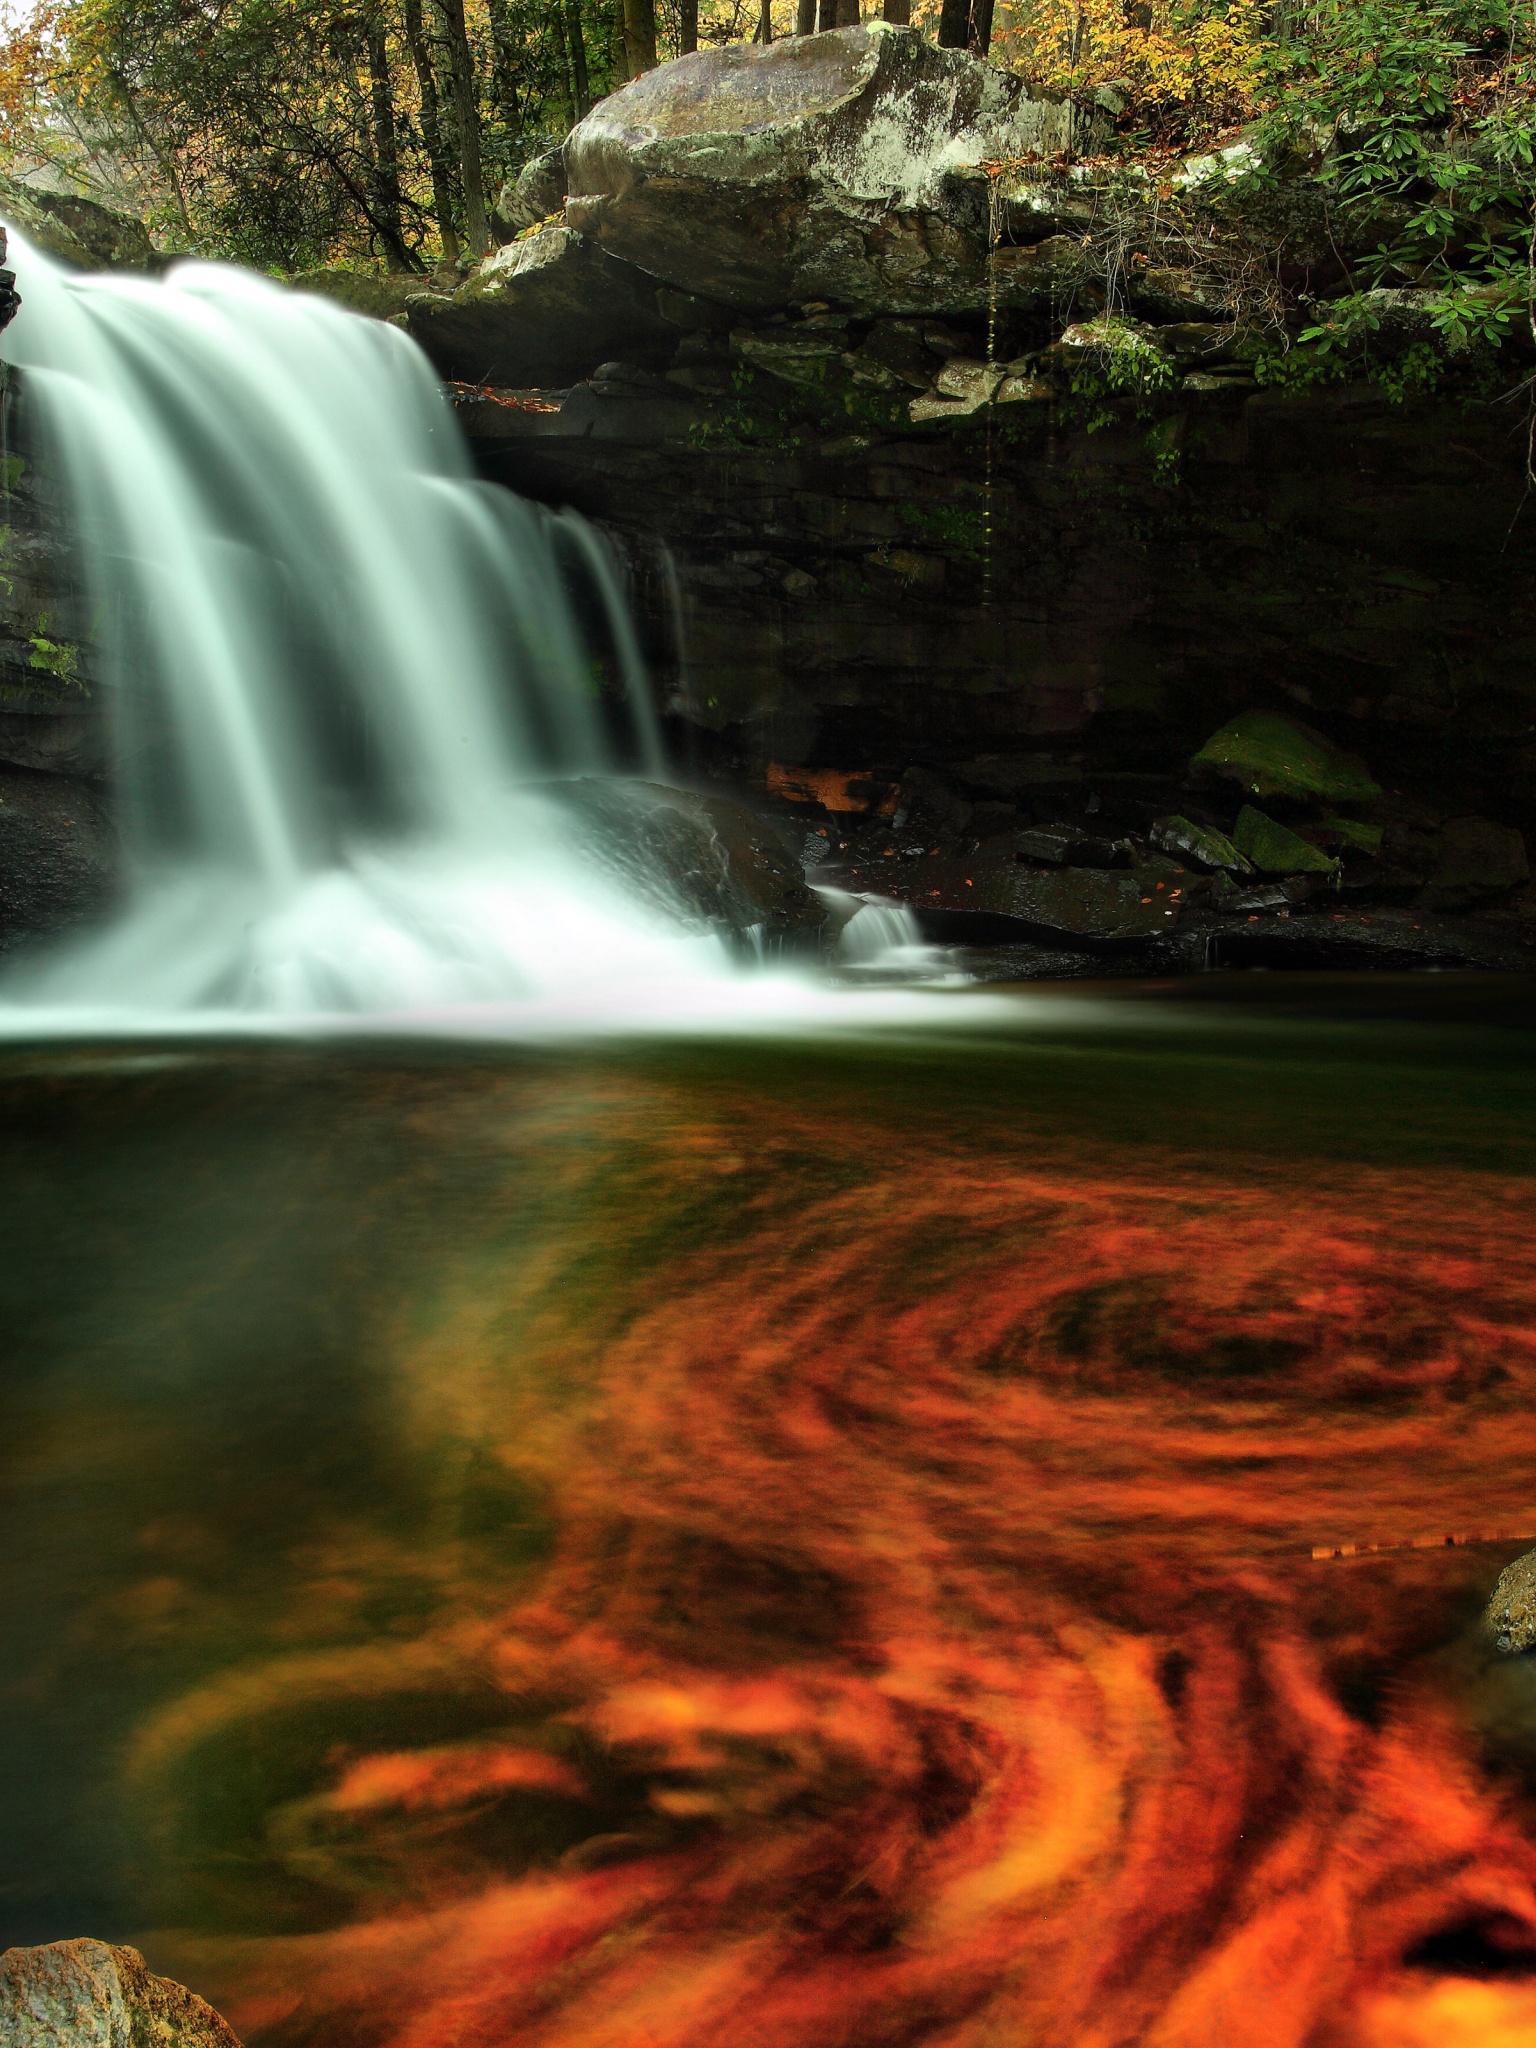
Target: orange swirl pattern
(935, 1594)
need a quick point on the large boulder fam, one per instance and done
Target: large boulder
(845, 167)
(86, 1994)
(706, 859)
(77, 231)
(528, 201)
(543, 311)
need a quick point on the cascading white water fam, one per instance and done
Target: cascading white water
(339, 667)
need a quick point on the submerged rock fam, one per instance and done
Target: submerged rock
(844, 167)
(1510, 1616)
(86, 1994)
(1274, 756)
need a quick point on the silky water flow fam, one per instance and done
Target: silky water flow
(339, 669)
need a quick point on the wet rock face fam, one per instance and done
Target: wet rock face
(1510, 1616)
(844, 166)
(85, 1994)
(58, 854)
(706, 857)
(871, 596)
(50, 705)
(9, 299)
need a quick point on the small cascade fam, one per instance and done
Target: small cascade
(880, 939)
(339, 667)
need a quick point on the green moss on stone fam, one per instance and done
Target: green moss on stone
(1276, 849)
(1271, 756)
(1354, 832)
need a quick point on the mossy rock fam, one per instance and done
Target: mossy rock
(360, 291)
(1276, 849)
(1204, 843)
(1353, 832)
(1273, 756)
(76, 230)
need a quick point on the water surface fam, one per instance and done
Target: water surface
(785, 1542)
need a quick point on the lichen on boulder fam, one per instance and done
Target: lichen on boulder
(88, 1994)
(845, 167)
(1510, 1616)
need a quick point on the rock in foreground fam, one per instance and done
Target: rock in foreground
(86, 1994)
(1510, 1616)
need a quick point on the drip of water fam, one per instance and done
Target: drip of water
(338, 666)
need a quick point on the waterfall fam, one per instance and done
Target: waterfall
(338, 667)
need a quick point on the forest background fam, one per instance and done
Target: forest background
(288, 134)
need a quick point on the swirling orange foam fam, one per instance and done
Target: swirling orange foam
(935, 1558)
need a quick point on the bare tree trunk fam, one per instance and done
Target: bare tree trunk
(503, 64)
(388, 200)
(438, 158)
(640, 35)
(578, 42)
(980, 39)
(621, 70)
(566, 103)
(826, 15)
(467, 121)
(764, 23)
(955, 25)
(688, 26)
(849, 13)
(897, 12)
(805, 17)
